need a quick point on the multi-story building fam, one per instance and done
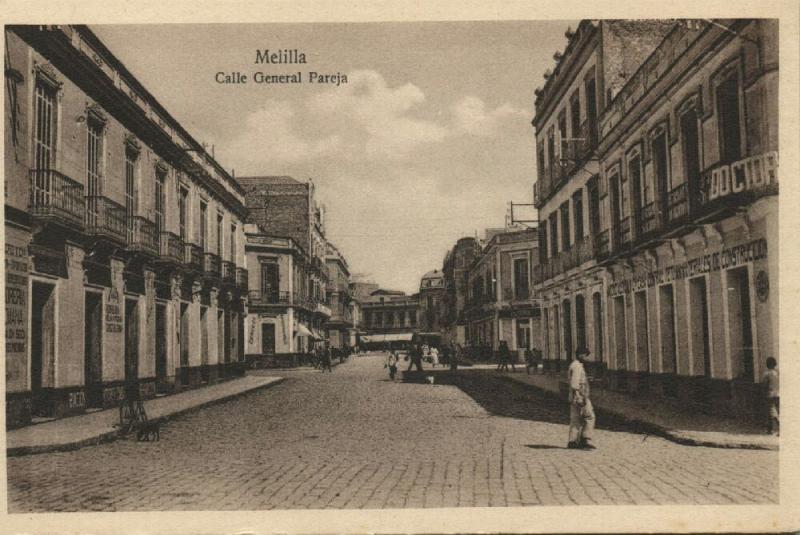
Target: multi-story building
(454, 268)
(389, 315)
(686, 183)
(431, 302)
(501, 303)
(124, 238)
(599, 58)
(340, 326)
(285, 317)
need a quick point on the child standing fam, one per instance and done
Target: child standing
(773, 396)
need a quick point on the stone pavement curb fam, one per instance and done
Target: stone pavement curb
(109, 436)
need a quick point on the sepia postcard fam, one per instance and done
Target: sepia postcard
(372, 267)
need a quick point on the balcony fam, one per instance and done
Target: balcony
(193, 256)
(521, 293)
(142, 235)
(57, 198)
(649, 219)
(211, 265)
(268, 297)
(171, 247)
(603, 246)
(106, 219)
(580, 252)
(228, 272)
(622, 234)
(241, 278)
(678, 204)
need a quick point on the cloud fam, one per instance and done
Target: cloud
(270, 134)
(365, 119)
(470, 116)
(382, 117)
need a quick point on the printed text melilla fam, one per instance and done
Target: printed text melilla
(280, 57)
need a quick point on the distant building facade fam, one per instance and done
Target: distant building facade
(390, 312)
(340, 326)
(454, 269)
(501, 303)
(432, 302)
(124, 238)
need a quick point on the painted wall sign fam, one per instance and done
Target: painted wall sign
(16, 311)
(113, 314)
(725, 259)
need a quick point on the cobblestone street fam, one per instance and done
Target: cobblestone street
(352, 439)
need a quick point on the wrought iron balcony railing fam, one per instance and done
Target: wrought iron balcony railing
(268, 297)
(106, 219)
(228, 271)
(171, 247)
(142, 235)
(678, 204)
(193, 256)
(649, 219)
(211, 264)
(56, 197)
(241, 278)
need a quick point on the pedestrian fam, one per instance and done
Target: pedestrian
(434, 356)
(504, 357)
(391, 363)
(455, 355)
(773, 396)
(581, 412)
(326, 360)
(416, 358)
(529, 361)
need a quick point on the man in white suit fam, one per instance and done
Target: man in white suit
(581, 412)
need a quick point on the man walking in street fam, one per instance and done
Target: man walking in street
(504, 354)
(416, 358)
(326, 360)
(581, 412)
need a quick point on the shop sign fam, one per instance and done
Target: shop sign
(113, 314)
(725, 259)
(751, 174)
(16, 311)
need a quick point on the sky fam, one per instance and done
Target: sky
(426, 143)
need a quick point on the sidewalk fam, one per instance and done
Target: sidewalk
(653, 416)
(93, 428)
(683, 427)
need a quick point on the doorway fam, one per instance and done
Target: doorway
(131, 349)
(184, 335)
(620, 338)
(161, 345)
(267, 338)
(740, 324)
(698, 302)
(566, 321)
(93, 352)
(42, 344)
(597, 315)
(642, 335)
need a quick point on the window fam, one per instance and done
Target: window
(562, 126)
(160, 201)
(521, 278)
(45, 132)
(591, 105)
(642, 193)
(131, 162)
(554, 234)
(577, 207)
(551, 149)
(575, 113)
(543, 241)
(203, 225)
(183, 211)
(540, 156)
(729, 119)
(270, 281)
(564, 226)
(690, 146)
(233, 243)
(94, 155)
(219, 235)
(661, 162)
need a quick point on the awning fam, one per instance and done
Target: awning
(302, 330)
(395, 337)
